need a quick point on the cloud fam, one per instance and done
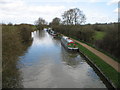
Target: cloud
(80, 1)
(93, 1)
(66, 1)
(8, 5)
(117, 10)
(113, 2)
(21, 12)
(98, 17)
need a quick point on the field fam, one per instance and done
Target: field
(99, 35)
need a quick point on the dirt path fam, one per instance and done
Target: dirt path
(104, 57)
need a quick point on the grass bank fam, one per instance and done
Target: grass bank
(111, 74)
(105, 52)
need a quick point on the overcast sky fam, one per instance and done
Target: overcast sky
(27, 11)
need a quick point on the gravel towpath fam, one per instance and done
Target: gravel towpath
(104, 57)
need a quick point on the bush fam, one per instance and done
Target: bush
(25, 32)
(12, 48)
(84, 33)
(111, 41)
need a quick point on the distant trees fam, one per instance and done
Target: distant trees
(40, 23)
(84, 33)
(10, 24)
(56, 21)
(73, 17)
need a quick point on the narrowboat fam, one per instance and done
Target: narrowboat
(53, 33)
(69, 44)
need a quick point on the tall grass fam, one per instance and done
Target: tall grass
(13, 47)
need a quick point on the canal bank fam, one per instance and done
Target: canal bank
(106, 70)
(109, 84)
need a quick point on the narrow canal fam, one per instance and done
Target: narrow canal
(46, 64)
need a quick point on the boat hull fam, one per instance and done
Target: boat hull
(70, 49)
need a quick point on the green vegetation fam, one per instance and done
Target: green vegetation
(110, 42)
(101, 50)
(84, 33)
(99, 35)
(33, 28)
(25, 32)
(16, 40)
(108, 71)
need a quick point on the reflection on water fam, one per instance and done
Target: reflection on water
(72, 59)
(42, 39)
(46, 64)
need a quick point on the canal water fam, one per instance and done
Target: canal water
(46, 64)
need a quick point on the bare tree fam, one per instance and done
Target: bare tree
(68, 17)
(40, 23)
(79, 17)
(73, 17)
(65, 18)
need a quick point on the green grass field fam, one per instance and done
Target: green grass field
(99, 35)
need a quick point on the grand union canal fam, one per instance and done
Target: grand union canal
(47, 64)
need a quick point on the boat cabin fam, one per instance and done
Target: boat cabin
(69, 44)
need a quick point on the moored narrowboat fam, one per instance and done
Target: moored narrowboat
(53, 33)
(69, 44)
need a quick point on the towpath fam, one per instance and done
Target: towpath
(104, 57)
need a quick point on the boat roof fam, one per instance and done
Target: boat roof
(67, 39)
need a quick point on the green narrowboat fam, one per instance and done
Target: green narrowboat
(69, 44)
